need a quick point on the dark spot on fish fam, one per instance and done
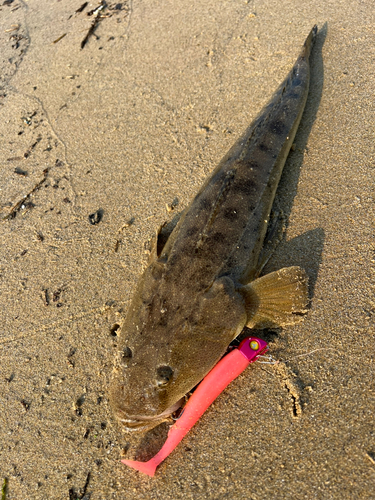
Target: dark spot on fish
(205, 204)
(231, 214)
(163, 321)
(218, 237)
(256, 228)
(247, 186)
(172, 260)
(192, 320)
(293, 95)
(146, 301)
(277, 127)
(197, 248)
(296, 82)
(263, 147)
(254, 165)
(191, 231)
(231, 262)
(164, 375)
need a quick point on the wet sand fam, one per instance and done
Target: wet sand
(117, 130)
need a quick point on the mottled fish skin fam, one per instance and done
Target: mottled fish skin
(190, 302)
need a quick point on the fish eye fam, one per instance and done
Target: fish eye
(164, 375)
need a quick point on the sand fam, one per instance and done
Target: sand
(117, 130)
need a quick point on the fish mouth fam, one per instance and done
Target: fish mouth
(144, 422)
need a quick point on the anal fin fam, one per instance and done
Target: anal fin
(276, 299)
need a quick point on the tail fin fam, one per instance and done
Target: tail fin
(309, 42)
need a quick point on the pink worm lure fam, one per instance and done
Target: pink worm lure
(227, 369)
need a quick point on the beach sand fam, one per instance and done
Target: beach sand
(118, 130)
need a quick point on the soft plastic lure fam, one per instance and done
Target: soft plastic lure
(228, 368)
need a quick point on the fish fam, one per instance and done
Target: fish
(202, 285)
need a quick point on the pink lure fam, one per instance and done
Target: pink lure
(227, 369)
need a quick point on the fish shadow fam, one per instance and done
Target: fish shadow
(304, 251)
(152, 442)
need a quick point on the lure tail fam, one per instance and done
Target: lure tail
(148, 468)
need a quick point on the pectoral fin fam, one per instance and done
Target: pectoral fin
(276, 299)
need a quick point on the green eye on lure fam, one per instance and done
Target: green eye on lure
(228, 368)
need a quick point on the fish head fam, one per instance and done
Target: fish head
(139, 392)
(167, 346)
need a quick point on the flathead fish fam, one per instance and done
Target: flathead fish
(202, 288)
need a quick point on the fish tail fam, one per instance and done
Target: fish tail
(309, 42)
